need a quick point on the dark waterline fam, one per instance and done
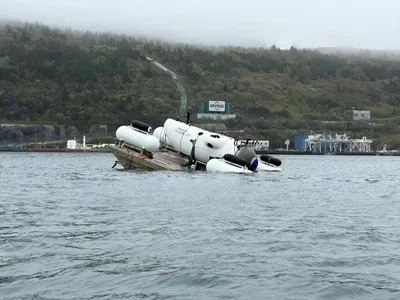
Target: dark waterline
(73, 228)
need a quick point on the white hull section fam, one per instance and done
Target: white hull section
(218, 152)
(159, 133)
(137, 138)
(221, 165)
(262, 166)
(208, 145)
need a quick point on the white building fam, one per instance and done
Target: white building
(215, 116)
(257, 145)
(361, 115)
(73, 144)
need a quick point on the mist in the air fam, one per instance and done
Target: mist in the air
(305, 24)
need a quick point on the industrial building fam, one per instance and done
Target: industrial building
(215, 110)
(257, 145)
(328, 143)
(359, 115)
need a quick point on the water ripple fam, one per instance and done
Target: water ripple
(73, 228)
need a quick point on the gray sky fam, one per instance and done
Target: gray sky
(303, 23)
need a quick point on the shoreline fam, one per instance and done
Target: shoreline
(272, 152)
(63, 150)
(372, 153)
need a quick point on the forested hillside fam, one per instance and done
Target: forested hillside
(82, 78)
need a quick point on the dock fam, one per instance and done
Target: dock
(163, 159)
(347, 153)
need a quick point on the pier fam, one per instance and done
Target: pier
(131, 158)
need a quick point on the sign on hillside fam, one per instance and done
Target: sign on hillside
(216, 105)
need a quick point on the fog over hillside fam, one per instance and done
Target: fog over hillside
(387, 54)
(262, 23)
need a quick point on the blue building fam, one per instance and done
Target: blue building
(300, 142)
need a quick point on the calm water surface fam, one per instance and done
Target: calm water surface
(73, 228)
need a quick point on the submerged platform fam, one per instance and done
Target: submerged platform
(163, 159)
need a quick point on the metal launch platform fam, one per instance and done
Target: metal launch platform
(338, 143)
(164, 159)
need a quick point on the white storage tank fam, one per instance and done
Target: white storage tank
(71, 144)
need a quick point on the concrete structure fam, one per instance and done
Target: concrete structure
(359, 115)
(30, 133)
(336, 143)
(216, 116)
(22, 133)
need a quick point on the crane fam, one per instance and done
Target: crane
(178, 83)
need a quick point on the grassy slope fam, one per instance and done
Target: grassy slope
(70, 77)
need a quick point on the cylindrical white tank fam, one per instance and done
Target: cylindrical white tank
(71, 144)
(138, 139)
(159, 133)
(209, 145)
(220, 165)
(179, 135)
